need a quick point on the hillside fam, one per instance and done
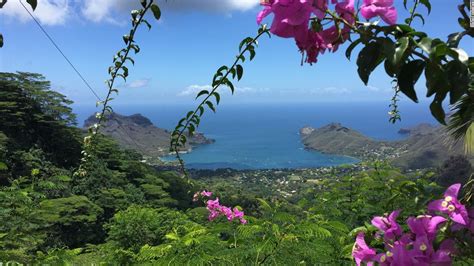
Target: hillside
(138, 133)
(424, 146)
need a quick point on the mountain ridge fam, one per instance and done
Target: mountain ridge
(137, 132)
(424, 146)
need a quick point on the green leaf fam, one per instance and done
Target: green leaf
(147, 23)
(396, 59)
(427, 4)
(189, 114)
(191, 129)
(369, 58)
(156, 11)
(455, 38)
(201, 110)
(211, 106)
(33, 3)
(351, 48)
(130, 59)
(436, 79)
(419, 16)
(144, 3)
(203, 92)
(240, 71)
(439, 50)
(222, 68)
(425, 44)
(252, 53)
(183, 139)
(458, 76)
(437, 111)
(1, 40)
(459, 54)
(231, 86)
(409, 75)
(126, 38)
(218, 97)
(244, 42)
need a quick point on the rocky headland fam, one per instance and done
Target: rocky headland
(138, 133)
(425, 145)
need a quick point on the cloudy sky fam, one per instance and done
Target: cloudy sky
(181, 53)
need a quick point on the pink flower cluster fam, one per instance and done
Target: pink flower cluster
(416, 247)
(292, 20)
(216, 209)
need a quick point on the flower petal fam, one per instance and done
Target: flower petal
(453, 191)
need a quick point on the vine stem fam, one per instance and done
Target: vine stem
(120, 65)
(413, 12)
(336, 17)
(214, 89)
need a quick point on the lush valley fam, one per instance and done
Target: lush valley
(123, 211)
(101, 194)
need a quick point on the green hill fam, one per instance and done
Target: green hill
(424, 147)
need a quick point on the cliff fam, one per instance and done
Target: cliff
(424, 147)
(138, 133)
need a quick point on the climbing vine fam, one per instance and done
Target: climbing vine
(212, 98)
(118, 70)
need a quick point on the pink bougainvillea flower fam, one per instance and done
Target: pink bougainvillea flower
(345, 9)
(237, 213)
(425, 225)
(382, 8)
(424, 254)
(196, 196)
(213, 204)
(227, 212)
(213, 214)
(443, 255)
(450, 205)
(361, 252)
(388, 225)
(206, 193)
(396, 253)
(313, 46)
(291, 17)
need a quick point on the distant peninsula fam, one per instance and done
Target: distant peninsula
(424, 146)
(138, 133)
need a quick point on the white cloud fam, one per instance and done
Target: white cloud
(193, 90)
(139, 83)
(329, 90)
(48, 12)
(58, 12)
(372, 88)
(225, 6)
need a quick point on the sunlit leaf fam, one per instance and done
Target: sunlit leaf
(156, 11)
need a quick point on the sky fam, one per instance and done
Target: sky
(183, 50)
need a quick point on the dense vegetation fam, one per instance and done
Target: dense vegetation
(123, 211)
(71, 198)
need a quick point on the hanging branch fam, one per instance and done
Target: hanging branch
(394, 111)
(118, 69)
(193, 118)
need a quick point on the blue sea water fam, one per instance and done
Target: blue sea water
(263, 136)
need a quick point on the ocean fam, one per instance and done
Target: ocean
(265, 136)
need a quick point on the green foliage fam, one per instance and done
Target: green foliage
(67, 211)
(407, 53)
(138, 226)
(117, 70)
(32, 114)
